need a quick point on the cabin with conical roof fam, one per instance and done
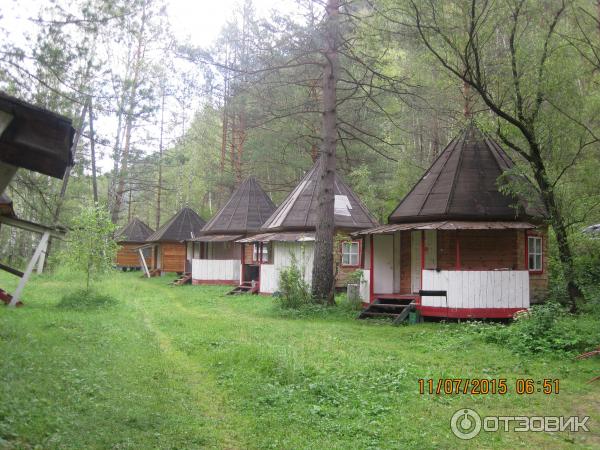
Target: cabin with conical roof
(289, 234)
(218, 259)
(457, 245)
(170, 253)
(129, 238)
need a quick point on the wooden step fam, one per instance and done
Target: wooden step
(397, 312)
(183, 279)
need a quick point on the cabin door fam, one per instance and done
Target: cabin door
(415, 261)
(383, 263)
(415, 255)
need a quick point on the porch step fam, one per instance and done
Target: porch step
(244, 288)
(185, 278)
(389, 309)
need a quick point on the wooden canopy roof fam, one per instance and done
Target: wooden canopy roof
(246, 211)
(135, 231)
(183, 226)
(462, 184)
(299, 210)
(34, 138)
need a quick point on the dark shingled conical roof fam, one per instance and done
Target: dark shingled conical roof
(245, 211)
(462, 184)
(135, 231)
(184, 225)
(299, 210)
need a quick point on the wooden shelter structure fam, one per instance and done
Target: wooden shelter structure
(129, 238)
(456, 245)
(168, 244)
(289, 233)
(218, 259)
(36, 139)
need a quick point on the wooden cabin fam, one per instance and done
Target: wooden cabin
(218, 259)
(39, 140)
(130, 238)
(458, 246)
(289, 233)
(168, 244)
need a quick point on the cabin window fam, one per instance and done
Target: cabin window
(534, 253)
(260, 253)
(351, 253)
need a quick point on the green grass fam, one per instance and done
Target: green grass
(187, 367)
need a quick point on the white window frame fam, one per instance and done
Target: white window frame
(265, 253)
(348, 256)
(535, 251)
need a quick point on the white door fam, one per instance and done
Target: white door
(415, 260)
(383, 262)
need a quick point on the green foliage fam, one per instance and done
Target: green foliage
(90, 246)
(294, 292)
(143, 374)
(85, 299)
(549, 328)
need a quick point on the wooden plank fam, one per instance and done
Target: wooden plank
(38, 251)
(11, 270)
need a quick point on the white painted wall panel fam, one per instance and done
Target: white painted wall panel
(216, 269)
(283, 255)
(365, 293)
(478, 289)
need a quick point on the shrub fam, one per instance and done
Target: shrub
(294, 292)
(548, 328)
(84, 299)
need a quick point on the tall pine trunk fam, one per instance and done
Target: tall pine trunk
(323, 279)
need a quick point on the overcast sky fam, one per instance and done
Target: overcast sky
(197, 22)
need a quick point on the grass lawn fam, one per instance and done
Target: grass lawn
(187, 367)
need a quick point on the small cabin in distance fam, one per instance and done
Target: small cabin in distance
(456, 244)
(289, 233)
(218, 258)
(169, 250)
(129, 239)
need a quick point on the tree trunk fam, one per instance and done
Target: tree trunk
(93, 154)
(323, 280)
(558, 226)
(160, 157)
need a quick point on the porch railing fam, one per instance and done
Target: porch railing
(216, 269)
(477, 288)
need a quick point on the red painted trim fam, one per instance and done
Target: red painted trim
(468, 313)
(422, 256)
(362, 254)
(372, 271)
(481, 269)
(527, 236)
(215, 282)
(351, 266)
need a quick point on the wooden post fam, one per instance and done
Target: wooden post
(36, 255)
(41, 260)
(243, 261)
(372, 272)
(144, 263)
(457, 262)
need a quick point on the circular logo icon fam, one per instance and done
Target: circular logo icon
(465, 424)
